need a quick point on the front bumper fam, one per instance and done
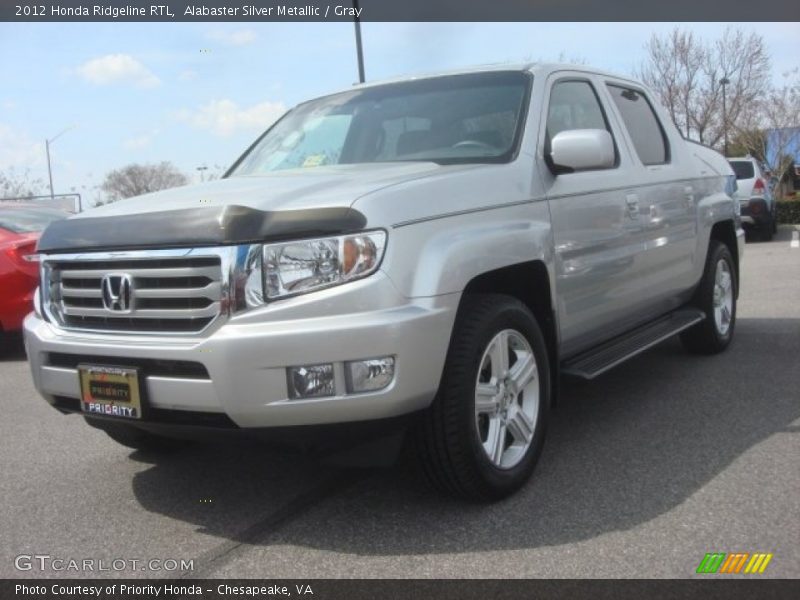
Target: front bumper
(758, 221)
(239, 370)
(740, 244)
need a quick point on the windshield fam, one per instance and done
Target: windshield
(454, 119)
(27, 220)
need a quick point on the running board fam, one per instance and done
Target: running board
(600, 359)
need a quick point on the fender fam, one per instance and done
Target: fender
(714, 204)
(714, 208)
(442, 255)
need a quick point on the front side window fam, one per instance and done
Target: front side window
(456, 119)
(574, 105)
(642, 124)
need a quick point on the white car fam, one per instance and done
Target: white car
(759, 210)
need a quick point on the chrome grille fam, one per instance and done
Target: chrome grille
(167, 294)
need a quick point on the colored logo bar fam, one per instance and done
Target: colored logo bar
(734, 562)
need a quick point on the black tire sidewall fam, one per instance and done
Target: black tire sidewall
(768, 230)
(508, 314)
(719, 252)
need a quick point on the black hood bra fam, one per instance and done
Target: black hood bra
(190, 227)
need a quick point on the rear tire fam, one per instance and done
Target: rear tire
(716, 297)
(135, 438)
(10, 344)
(483, 434)
(768, 229)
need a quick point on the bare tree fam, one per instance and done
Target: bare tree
(673, 69)
(134, 180)
(19, 185)
(772, 133)
(687, 74)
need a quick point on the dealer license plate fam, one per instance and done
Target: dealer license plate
(110, 391)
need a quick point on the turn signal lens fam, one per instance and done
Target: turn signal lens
(37, 302)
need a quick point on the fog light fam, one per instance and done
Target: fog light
(311, 381)
(369, 375)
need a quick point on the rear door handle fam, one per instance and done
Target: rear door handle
(632, 203)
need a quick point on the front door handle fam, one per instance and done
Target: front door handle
(632, 203)
(689, 191)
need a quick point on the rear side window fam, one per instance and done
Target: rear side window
(642, 124)
(743, 168)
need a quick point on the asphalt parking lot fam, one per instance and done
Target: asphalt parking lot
(645, 470)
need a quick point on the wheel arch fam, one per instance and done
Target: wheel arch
(530, 283)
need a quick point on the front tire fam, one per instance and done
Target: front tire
(483, 434)
(716, 297)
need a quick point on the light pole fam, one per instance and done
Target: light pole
(359, 50)
(47, 149)
(201, 169)
(723, 82)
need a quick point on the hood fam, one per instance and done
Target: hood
(281, 205)
(293, 189)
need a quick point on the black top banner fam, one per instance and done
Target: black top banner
(402, 10)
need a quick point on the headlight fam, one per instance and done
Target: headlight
(298, 267)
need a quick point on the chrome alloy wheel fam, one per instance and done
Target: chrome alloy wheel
(507, 398)
(723, 297)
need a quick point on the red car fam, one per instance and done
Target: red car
(20, 227)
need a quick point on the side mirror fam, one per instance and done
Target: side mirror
(581, 150)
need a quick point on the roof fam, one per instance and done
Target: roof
(536, 68)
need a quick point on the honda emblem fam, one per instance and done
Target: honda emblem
(117, 289)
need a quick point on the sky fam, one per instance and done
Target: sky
(197, 94)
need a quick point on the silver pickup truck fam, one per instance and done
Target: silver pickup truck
(419, 259)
